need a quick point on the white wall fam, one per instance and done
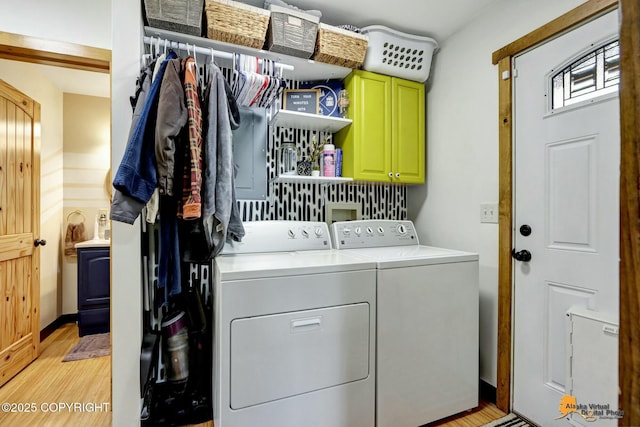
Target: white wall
(462, 147)
(28, 80)
(126, 303)
(86, 161)
(77, 21)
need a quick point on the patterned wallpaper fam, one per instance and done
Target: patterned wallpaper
(306, 201)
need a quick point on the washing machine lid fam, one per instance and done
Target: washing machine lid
(262, 265)
(410, 256)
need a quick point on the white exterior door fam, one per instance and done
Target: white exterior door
(566, 172)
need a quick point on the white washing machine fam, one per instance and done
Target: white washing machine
(294, 330)
(427, 322)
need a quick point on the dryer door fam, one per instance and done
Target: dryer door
(283, 355)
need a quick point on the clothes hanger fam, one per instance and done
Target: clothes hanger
(235, 79)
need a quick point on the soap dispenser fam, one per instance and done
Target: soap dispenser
(102, 226)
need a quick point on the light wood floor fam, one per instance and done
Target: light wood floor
(48, 382)
(483, 414)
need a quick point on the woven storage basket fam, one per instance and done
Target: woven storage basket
(181, 16)
(398, 54)
(292, 32)
(236, 23)
(340, 47)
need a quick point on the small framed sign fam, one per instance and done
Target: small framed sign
(302, 100)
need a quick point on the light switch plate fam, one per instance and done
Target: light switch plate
(489, 213)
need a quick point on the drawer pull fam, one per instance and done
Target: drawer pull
(303, 325)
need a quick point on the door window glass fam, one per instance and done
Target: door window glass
(594, 74)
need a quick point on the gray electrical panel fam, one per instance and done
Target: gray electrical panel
(250, 154)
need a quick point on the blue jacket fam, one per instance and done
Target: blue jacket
(136, 177)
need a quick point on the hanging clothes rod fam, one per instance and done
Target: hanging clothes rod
(152, 41)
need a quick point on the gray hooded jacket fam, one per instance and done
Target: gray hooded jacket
(220, 213)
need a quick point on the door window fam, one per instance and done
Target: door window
(592, 75)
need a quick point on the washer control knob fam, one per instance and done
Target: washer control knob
(357, 231)
(305, 234)
(346, 231)
(292, 234)
(318, 232)
(402, 229)
(369, 230)
(380, 230)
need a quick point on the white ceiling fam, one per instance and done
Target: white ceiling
(432, 18)
(438, 19)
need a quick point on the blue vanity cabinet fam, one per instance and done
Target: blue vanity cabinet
(93, 290)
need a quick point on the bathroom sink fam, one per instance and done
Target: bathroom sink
(93, 243)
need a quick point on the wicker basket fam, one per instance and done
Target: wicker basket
(292, 32)
(181, 16)
(340, 47)
(237, 23)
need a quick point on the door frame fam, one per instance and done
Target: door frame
(18, 47)
(629, 339)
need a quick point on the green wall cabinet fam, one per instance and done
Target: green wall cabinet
(386, 141)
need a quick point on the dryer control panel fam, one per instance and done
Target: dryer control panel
(281, 236)
(373, 233)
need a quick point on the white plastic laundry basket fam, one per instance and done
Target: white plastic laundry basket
(398, 54)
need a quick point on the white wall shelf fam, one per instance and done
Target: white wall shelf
(303, 69)
(294, 179)
(295, 119)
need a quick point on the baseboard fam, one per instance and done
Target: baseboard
(487, 392)
(51, 327)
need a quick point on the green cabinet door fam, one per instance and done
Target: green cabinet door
(366, 143)
(407, 152)
(385, 142)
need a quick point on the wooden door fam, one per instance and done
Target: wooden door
(19, 229)
(567, 161)
(407, 143)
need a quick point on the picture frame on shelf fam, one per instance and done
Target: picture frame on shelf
(301, 100)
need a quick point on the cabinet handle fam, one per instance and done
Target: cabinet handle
(390, 174)
(398, 175)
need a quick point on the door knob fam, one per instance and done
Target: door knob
(523, 255)
(39, 242)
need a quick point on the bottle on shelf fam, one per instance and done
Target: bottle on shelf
(102, 225)
(343, 103)
(288, 159)
(328, 160)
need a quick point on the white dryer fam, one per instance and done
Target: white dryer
(427, 322)
(294, 330)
